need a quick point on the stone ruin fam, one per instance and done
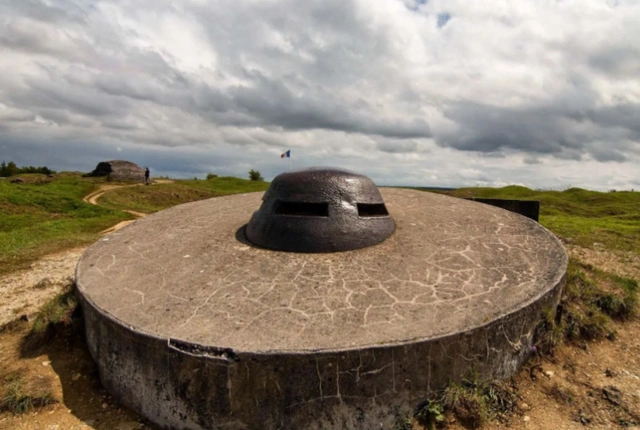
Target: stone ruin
(200, 317)
(119, 170)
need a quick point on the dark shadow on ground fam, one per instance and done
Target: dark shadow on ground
(83, 394)
(241, 236)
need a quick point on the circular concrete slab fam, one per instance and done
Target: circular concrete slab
(195, 328)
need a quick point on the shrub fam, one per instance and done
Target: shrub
(255, 175)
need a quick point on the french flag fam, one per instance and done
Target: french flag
(286, 154)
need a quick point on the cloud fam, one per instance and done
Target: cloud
(406, 90)
(531, 160)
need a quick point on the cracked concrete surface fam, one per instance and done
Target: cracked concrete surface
(178, 306)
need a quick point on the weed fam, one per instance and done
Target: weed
(56, 315)
(429, 413)
(474, 402)
(403, 423)
(17, 400)
(563, 395)
(467, 403)
(56, 311)
(583, 418)
(549, 333)
(571, 366)
(591, 299)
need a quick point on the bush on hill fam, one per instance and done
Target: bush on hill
(11, 169)
(255, 175)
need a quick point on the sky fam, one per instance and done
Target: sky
(451, 93)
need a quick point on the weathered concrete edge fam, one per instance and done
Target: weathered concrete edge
(305, 391)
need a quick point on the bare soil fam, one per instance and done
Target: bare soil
(593, 385)
(25, 291)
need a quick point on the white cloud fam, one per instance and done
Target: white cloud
(542, 93)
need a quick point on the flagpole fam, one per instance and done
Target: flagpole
(289, 162)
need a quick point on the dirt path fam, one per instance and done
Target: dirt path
(93, 197)
(25, 291)
(64, 369)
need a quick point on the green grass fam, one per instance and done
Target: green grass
(44, 216)
(592, 300)
(18, 399)
(474, 402)
(158, 196)
(58, 315)
(585, 217)
(58, 310)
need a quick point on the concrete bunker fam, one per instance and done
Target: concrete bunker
(195, 327)
(320, 210)
(119, 170)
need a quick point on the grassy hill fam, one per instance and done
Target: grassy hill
(582, 216)
(41, 216)
(44, 215)
(163, 195)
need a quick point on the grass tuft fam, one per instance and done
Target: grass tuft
(474, 402)
(58, 310)
(55, 316)
(17, 399)
(403, 423)
(591, 301)
(429, 413)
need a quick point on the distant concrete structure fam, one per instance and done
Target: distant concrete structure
(119, 170)
(528, 208)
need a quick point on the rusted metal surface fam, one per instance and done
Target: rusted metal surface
(320, 209)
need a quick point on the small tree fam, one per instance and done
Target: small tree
(211, 176)
(9, 169)
(255, 175)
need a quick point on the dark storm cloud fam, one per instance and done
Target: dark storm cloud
(559, 129)
(622, 61)
(273, 104)
(531, 160)
(61, 11)
(292, 101)
(624, 116)
(604, 154)
(397, 147)
(334, 79)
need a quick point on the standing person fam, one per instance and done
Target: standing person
(146, 176)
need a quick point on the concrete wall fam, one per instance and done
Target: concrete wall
(183, 386)
(528, 208)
